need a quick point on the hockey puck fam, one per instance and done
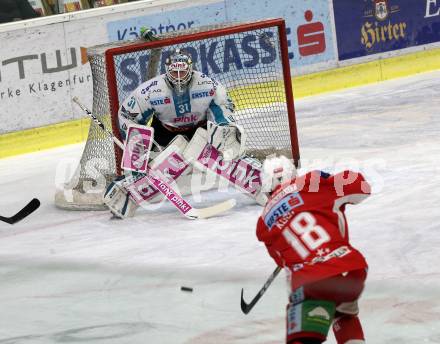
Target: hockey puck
(186, 289)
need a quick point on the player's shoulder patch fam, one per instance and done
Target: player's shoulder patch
(152, 86)
(281, 208)
(125, 113)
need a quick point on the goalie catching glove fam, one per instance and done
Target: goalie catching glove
(229, 139)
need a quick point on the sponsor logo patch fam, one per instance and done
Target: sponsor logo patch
(337, 253)
(146, 89)
(319, 312)
(282, 208)
(160, 101)
(206, 155)
(202, 94)
(205, 82)
(190, 118)
(127, 114)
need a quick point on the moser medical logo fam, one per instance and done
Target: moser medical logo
(379, 26)
(26, 66)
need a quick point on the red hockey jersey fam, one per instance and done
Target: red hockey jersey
(304, 227)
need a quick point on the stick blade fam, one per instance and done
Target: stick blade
(205, 213)
(26, 211)
(244, 306)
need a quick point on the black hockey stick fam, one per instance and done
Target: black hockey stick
(246, 307)
(27, 210)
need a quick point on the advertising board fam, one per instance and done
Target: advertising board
(377, 26)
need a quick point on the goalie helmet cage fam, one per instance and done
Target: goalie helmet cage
(249, 59)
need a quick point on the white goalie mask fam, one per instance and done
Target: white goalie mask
(179, 70)
(276, 171)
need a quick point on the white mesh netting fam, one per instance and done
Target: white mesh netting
(247, 62)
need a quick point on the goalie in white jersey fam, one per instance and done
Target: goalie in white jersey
(177, 104)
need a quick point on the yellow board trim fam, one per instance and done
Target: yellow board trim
(366, 73)
(60, 134)
(36, 139)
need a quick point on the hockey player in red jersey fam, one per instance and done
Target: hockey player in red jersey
(304, 228)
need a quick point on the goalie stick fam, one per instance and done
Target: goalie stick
(246, 307)
(27, 210)
(158, 182)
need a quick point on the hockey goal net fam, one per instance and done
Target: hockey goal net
(250, 59)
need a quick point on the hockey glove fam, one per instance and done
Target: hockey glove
(118, 199)
(229, 139)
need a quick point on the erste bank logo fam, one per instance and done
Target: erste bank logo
(202, 94)
(160, 101)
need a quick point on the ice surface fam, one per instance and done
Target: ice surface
(79, 277)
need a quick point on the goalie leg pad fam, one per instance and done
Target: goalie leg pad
(170, 163)
(243, 173)
(118, 199)
(196, 146)
(170, 160)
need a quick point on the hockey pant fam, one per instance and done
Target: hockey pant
(314, 307)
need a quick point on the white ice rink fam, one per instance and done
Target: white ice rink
(77, 277)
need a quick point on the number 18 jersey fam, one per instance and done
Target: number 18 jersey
(304, 227)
